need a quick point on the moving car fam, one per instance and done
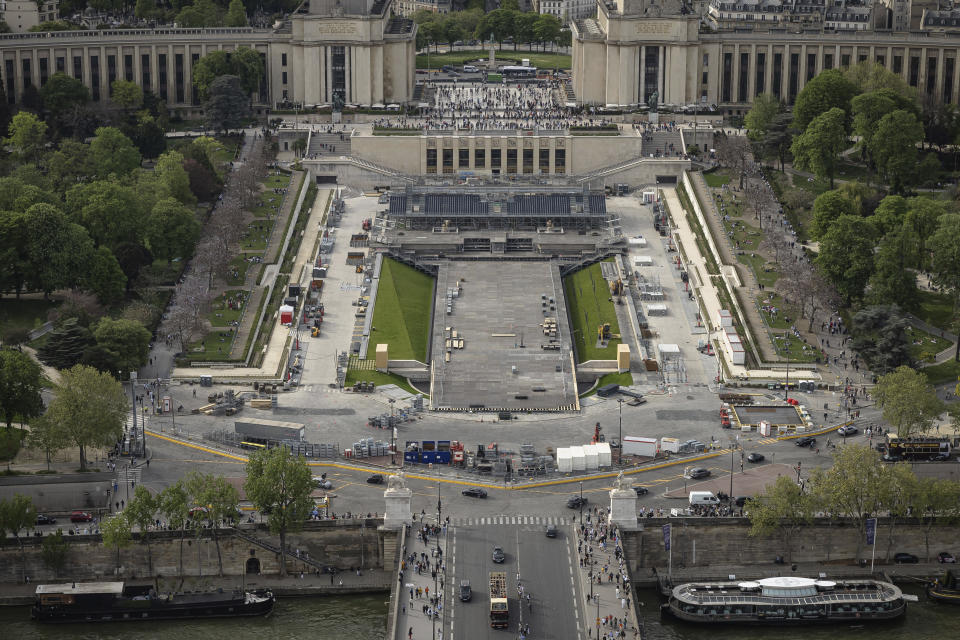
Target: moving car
(809, 441)
(847, 430)
(376, 478)
(905, 558)
(42, 519)
(474, 492)
(943, 456)
(755, 457)
(465, 591)
(81, 516)
(698, 472)
(576, 502)
(945, 557)
(498, 555)
(551, 531)
(641, 491)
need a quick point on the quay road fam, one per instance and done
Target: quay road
(546, 567)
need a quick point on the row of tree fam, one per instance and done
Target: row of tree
(858, 486)
(505, 23)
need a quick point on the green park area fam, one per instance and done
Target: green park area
(590, 304)
(401, 313)
(459, 58)
(380, 379)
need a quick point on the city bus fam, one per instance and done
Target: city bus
(518, 73)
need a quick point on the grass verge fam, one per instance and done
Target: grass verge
(457, 58)
(948, 371)
(401, 314)
(379, 379)
(588, 297)
(935, 309)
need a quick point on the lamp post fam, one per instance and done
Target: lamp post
(581, 502)
(393, 435)
(439, 558)
(731, 473)
(620, 421)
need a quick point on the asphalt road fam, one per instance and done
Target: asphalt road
(546, 571)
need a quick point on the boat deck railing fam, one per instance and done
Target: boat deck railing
(688, 595)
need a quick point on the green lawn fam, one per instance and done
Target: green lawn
(816, 186)
(220, 314)
(401, 313)
(23, 315)
(796, 349)
(588, 298)
(380, 379)
(237, 271)
(258, 232)
(224, 154)
(716, 178)
(935, 309)
(622, 379)
(923, 345)
(786, 315)
(948, 371)
(458, 58)
(214, 346)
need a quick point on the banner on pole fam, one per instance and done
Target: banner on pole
(871, 530)
(666, 537)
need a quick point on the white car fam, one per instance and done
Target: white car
(847, 430)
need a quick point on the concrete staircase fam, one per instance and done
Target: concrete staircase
(662, 144)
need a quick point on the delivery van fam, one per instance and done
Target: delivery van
(705, 498)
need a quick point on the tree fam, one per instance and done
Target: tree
(146, 9)
(111, 152)
(226, 104)
(546, 29)
(894, 148)
(17, 514)
(890, 214)
(21, 381)
(172, 229)
(734, 152)
(104, 277)
(66, 345)
(870, 108)
(923, 219)
(115, 531)
(201, 14)
(127, 341)
(27, 136)
(892, 280)
(828, 91)
(48, 437)
(204, 183)
(280, 485)
(217, 499)
(245, 63)
(54, 550)
(766, 107)
(846, 255)
(55, 251)
(909, 403)
(851, 487)
(944, 247)
(69, 164)
(871, 76)
(90, 406)
(827, 209)
(236, 14)
(112, 212)
(899, 491)
(126, 95)
(62, 92)
(880, 337)
(783, 509)
(939, 502)
(173, 503)
(818, 148)
(148, 135)
(140, 512)
(173, 176)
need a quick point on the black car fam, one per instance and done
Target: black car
(474, 492)
(42, 519)
(498, 555)
(755, 457)
(809, 441)
(641, 491)
(576, 502)
(905, 558)
(465, 591)
(376, 478)
(940, 457)
(551, 531)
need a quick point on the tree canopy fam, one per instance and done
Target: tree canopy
(818, 148)
(909, 403)
(827, 91)
(21, 381)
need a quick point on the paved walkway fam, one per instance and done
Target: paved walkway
(421, 612)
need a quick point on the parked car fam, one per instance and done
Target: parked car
(42, 519)
(940, 457)
(698, 472)
(847, 430)
(465, 591)
(809, 441)
(905, 558)
(376, 478)
(945, 557)
(81, 516)
(474, 492)
(891, 458)
(551, 531)
(739, 500)
(755, 457)
(576, 502)
(641, 491)
(498, 555)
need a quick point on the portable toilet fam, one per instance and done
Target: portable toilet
(592, 456)
(564, 460)
(579, 458)
(604, 458)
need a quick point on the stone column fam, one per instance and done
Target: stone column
(643, 75)
(623, 504)
(398, 498)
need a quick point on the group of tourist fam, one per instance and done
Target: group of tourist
(600, 553)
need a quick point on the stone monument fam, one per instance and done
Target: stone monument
(398, 498)
(623, 504)
(653, 115)
(337, 111)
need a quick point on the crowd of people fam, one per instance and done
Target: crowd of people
(601, 555)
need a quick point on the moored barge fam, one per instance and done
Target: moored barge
(116, 602)
(786, 600)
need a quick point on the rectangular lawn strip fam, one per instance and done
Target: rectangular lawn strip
(215, 346)
(948, 371)
(588, 298)
(796, 350)
(237, 271)
(935, 308)
(221, 315)
(777, 314)
(401, 313)
(380, 379)
(256, 236)
(504, 56)
(716, 178)
(923, 345)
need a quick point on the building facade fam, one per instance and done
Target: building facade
(21, 15)
(568, 9)
(623, 55)
(354, 48)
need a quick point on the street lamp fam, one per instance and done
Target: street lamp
(620, 420)
(581, 502)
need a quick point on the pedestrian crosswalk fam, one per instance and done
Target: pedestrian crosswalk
(510, 520)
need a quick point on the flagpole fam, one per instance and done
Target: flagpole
(873, 552)
(670, 571)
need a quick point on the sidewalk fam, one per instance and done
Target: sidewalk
(418, 595)
(608, 599)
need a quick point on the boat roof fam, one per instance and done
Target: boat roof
(115, 588)
(783, 582)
